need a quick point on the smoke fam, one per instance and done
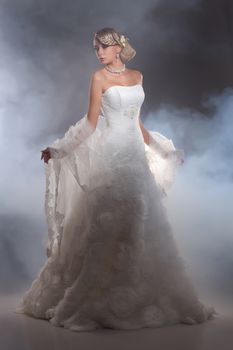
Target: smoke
(200, 201)
(184, 50)
(188, 52)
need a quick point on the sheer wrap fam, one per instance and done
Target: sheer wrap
(74, 158)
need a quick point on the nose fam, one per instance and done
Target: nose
(99, 50)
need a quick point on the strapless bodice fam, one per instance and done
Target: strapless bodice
(121, 105)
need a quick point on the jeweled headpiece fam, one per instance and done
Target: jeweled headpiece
(109, 36)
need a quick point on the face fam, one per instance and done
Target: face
(106, 53)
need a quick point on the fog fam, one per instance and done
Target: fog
(184, 50)
(200, 201)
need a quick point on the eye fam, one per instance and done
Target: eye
(103, 46)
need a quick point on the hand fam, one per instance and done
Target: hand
(46, 155)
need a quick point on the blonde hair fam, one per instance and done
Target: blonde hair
(110, 36)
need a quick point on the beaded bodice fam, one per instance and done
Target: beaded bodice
(121, 105)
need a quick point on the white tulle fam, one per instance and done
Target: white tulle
(112, 260)
(72, 139)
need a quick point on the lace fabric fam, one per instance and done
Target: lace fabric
(72, 139)
(112, 260)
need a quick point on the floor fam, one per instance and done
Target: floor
(21, 332)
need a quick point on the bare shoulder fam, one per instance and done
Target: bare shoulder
(98, 78)
(96, 81)
(137, 75)
(97, 75)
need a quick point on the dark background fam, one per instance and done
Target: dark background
(185, 52)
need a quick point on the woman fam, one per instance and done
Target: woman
(112, 261)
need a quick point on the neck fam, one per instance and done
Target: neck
(115, 65)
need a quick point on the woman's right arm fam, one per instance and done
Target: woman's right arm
(83, 128)
(95, 95)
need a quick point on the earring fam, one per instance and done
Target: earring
(117, 55)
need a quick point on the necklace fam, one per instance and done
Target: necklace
(118, 71)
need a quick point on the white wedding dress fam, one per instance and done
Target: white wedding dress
(112, 260)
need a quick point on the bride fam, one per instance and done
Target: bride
(112, 260)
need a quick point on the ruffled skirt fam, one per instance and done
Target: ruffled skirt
(112, 260)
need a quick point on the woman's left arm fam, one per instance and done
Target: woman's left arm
(153, 143)
(145, 132)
